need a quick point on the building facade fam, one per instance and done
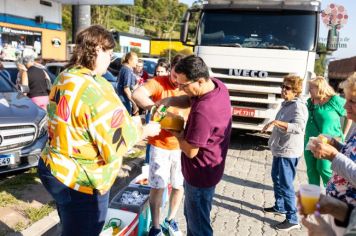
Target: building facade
(32, 26)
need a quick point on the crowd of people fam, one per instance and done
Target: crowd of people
(91, 126)
(329, 163)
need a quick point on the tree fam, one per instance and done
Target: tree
(319, 67)
(159, 18)
(67, 20)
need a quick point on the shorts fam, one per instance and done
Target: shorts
(165, 167)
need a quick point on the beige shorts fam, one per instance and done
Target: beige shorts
(165, 168)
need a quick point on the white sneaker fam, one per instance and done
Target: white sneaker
(172, 227)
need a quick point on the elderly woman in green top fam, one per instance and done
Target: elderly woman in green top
(325, 110)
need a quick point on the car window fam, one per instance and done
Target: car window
(109, 77)
(115, 66)
(149, 66)
(13, 71)
(5, 86)
(52, 69)
(51, 75)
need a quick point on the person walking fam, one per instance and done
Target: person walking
(165, 166)
(286, 144)
(204, 141)
(126, 82)
(325, 110)
(89, 131)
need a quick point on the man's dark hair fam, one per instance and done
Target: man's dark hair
(192, 67)
(176, 59)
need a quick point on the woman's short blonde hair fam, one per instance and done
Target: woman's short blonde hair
(296, 83)
(324, 89)
(349, 85)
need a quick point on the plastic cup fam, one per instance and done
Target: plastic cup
(309, 197)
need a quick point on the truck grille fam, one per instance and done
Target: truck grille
(226, 72)
(14, 137)
(248, 120)
(254, 100)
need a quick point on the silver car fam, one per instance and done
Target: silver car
(23, 128)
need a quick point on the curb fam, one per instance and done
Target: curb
(48, 225)
(42, 226)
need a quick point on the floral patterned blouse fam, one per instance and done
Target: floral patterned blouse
(89, 131)
(338, 186)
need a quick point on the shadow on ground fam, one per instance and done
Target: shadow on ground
(245, 182)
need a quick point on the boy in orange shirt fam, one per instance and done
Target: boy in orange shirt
(165, 162)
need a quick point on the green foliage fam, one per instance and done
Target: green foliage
(159, 18)
(67, 20)
(165, 53)
(137, 51)
(319, 67)
(35, 214)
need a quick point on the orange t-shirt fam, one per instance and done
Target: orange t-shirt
(159, 88)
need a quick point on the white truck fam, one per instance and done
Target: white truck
(251, 45)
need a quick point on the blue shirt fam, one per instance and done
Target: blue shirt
(126, 78)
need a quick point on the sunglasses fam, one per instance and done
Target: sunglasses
(286, 87)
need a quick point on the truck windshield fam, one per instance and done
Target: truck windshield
(290, 30)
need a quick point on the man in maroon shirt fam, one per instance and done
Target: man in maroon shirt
(205, 140)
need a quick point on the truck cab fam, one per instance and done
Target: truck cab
(251, 45)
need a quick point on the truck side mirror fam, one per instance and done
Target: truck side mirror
(333, 40)
(185, 27)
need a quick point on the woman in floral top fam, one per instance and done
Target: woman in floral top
(89, 132)
(343, 157)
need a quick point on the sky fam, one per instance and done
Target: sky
(347, 33)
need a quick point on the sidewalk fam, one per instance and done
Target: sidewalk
(245, 189)
(48, 226)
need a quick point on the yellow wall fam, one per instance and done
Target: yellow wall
(48, 50)
(158, 46)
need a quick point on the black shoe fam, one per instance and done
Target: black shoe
(155, 232)
(272, 210)
(286, 226)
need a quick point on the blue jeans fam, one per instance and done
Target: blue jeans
(197, 207)
(80, 214)
(283, 174)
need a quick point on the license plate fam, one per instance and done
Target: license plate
(237, 111)
(7, 159)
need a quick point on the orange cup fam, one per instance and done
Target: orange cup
(309, 197)
(172, 122)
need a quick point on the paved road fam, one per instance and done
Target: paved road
(245, 189)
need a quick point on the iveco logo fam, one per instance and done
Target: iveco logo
(248, 73)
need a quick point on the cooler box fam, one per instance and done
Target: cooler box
(129, 223)
(143, 210)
